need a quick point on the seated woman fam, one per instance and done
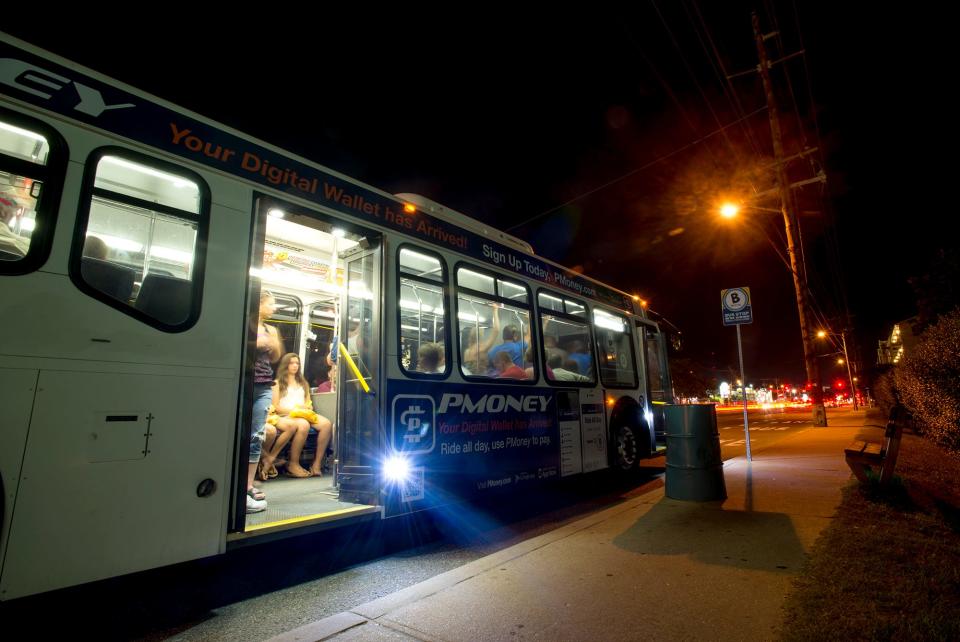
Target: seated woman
(293, 417)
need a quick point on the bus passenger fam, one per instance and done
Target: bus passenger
(512, 344)
(10, 242)
(354, 344)
(431, 358)
(327, 384)
(268, 351)
(474, 348)
(551, 347)
(560, 371)
(95, 248)
(528, 358)
(506, 368)
(294, 418)
(581, 356)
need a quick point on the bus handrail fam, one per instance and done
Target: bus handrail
(353, 368)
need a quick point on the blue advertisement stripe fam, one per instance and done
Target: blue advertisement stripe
(45, 84)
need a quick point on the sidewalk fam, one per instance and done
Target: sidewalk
(651, 568)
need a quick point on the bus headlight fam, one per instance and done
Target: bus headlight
(396, 468)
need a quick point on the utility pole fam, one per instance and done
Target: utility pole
(792, 231)
(853, 384)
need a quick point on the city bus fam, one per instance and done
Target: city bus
(137, 239)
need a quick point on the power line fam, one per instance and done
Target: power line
(832, 236)
(634, 171)
(696, 83)
(728, 88)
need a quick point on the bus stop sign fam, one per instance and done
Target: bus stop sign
(737, 308)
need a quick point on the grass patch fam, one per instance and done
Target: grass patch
(888, 566)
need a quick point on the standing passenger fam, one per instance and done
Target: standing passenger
(474, 348)
(268, 352)
(512, 344)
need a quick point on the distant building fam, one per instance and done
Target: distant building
(900, 342)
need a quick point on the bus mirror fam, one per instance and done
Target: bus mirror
(676, 341)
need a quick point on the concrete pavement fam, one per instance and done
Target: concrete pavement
(650, 568)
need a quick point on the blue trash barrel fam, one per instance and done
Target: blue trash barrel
(694, 465)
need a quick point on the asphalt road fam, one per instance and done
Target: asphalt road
(766, 427)
(254, 593)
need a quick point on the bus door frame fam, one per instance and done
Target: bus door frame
(642, 326)
(258, 227)
(359, 419)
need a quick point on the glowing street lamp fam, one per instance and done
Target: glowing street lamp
(822, 334)
(729, 210)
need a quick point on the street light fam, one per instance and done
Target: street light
(800, 289)
(822, 334)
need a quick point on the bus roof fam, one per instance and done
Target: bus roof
(31, 75)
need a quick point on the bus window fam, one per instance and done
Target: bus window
(476, 281)
(140, 240)
(286, 320)
(423, 316)
(566, 340)
(493, 320)
(615, 350)
(27, 206)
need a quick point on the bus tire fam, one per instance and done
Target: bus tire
(625, 444)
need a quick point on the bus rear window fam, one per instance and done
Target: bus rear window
(25, 151)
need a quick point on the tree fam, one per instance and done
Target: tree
(928, 381)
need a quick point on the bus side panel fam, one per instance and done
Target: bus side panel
(462, 440)
(17, 388)
(111, 477)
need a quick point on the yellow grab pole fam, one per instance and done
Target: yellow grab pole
(354, 369)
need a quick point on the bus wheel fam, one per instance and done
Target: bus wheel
(625, 447)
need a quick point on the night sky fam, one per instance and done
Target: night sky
(596, 136)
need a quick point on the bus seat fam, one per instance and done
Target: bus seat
(165, 298)
(110, 278)
(325, 403)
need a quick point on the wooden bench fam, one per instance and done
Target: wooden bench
(861, 455)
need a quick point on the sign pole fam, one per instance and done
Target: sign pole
(743, 379)
(737, 310)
